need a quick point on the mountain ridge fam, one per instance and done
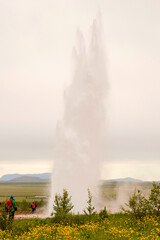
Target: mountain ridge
(45, 177)
(126, 179)
(19, 177)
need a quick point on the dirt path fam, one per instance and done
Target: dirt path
(28, 215)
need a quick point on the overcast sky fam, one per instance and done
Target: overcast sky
(36, 40)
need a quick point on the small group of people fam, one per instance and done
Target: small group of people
(11, 207)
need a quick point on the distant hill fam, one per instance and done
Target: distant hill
(46, 177)
(42, 177)
(28, 179)
(127, 179)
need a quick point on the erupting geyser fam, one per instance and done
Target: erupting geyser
(81, 134)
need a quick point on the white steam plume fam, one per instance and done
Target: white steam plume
(81, 134)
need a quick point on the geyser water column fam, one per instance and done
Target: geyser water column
(81, 134)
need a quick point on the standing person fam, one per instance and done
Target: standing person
(8, 206)
(33, 206)
(12, 207)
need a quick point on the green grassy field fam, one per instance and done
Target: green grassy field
(28, 191)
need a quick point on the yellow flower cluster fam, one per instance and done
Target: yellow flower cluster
(57, 232)
(146, 229)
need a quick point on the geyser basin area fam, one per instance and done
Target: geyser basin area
(81, 133)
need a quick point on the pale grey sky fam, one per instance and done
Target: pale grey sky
(36, 40)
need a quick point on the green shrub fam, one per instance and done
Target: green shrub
(26, 206)
(5, 223)
(154, 198)
(23, 206)
(138, 205)
(90, 210)
(62, 204)
(3, 220)
(103, 214)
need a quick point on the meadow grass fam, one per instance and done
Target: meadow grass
(23, 191)
(116, 226)
(28, 191)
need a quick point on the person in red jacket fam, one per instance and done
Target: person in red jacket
(33, 206)
(8, 206)
(11, 207)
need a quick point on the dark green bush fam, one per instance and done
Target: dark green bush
(103, 214)
(3, 220)
(139, 206)
(23, 206)
(26, 206)
(154, 198)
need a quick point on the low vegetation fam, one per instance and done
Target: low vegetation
(115, 226)
(140, 220)
(139, 206)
